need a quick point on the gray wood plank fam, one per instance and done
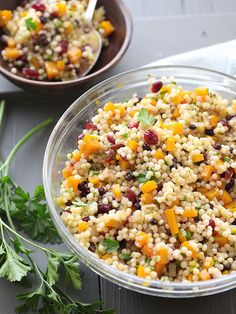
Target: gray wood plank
(23, 111)
(209, 6)
(128, 302)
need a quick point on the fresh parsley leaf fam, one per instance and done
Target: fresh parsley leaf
(166, 163)
(95, 173)
(13, 267)
(79, 203)
(31, 300)
(188, 235)
(30, 24)
(227, 159)
(147, 260)
(52, 270)
(145, 117)
(125, 135)
(142, 178)
(110, 245)
(71, 267)
(126, 256)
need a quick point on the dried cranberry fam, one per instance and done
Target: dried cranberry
(31, 74)
(150, 137)
(43, 39)
(54, 15)
(82, 186)
(87, 218)
(111, 139)
(92, 247)
(137, 206)
(156, 87)
(63, 44)
(146, 147)
(69, 203)
(129, 176)
(212, 223)
(65, 211)
(117, 146)
(209, 132)
(110, 156)
(90, 126)
(225, 123)
(39, 6)
(153, 221)
(192, 126)
(217, 146)
(227, 266)
(133, 124)
(101, 191)
(85, 192)
(130, 195)
(229, 186)
(234, 222)
(43, 19)
(122, 244)
(104, 208)
(159, 187)
(229, 117)
(228, 174)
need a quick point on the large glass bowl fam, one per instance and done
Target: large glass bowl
(64, 139)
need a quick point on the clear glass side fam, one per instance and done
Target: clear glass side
(64, 139)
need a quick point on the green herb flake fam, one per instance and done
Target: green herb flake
(30, 24)
(95, 173)
(166, 163)
(142, 178)
(77, 202)
(188, 235)
(147, 260)
(227, 159)
(125, 256)
(145, 117)
(125, 135)
(110, 245)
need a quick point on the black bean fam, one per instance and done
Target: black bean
(82, 186)
(229, 117)
(192, 126)
(153, 221)
(227, 266)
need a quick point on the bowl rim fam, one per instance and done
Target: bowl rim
(128, 36)
(129, 281)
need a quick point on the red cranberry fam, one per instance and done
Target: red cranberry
(229, 173)
(212, 223)
(101, 191)
(43, 39)
(54, 15)
(156, 87)
(159, 187)
(133, 124)
(117, 146)
(63, 44)
(87, 218)
(225, 123)
(111, 139)
(43, 19)
(104, 208)
(130, 195)
(217, 146)
(110, 156)
(90, 126)
(192, 126)
(39, 6)
(230, 185)
(150, 137)
(31, 74)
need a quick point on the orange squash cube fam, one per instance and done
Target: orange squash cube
(133, 145)
(149, 186)
(207, 172)
(11, 53)
(172, 221)
(147, 198)
(197, 157)
(5, 17)
(74, 55)
(51, 69)
(107, 27)
(83, 226)
(170, 144)
(72, 182)
(190, 213)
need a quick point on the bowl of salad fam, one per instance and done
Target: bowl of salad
(139, 175)
(46, 46)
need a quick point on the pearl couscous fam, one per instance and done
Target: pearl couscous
(50, 39)
(151, 189)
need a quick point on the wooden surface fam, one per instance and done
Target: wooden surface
(161, 28)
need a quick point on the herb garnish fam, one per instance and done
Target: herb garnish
(125, 256)
(110, 245)
(79, 203)
(145, 117)
(30, 24)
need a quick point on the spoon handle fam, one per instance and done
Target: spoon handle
(90, 10)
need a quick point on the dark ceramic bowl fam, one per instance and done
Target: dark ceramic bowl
(120, 17)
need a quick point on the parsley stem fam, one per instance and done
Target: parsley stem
(22, 141)
(2, 107)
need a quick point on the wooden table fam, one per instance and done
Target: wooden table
(161, 28)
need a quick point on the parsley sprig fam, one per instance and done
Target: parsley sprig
(30, 214)
(145, 117)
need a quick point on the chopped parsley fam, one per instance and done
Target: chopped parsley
(125, 135)
(110, 245)
(145, 117)
(227, 159)
(30, 24)
(126, 256)
(79, 203)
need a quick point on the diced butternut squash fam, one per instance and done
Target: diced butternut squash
(174, 203)
(110, 107)
(207, 172)
(77, 156)
(83, 226)
(35, 62)
(181, 237)
(141, 271)
(107, 27)
(176, 128)
(231, 206)
(147, 251)
(24, 13)
(5, 17)
(177, 99)
(61, 9)
(234, 105)
(209, 262)
(94, 180)
(91, 145)
(170, 144)
(211, 194)
(202, 190)
(221, 240)
(112, 224)
(60, 65)
(219, 162)
(164, 255)
(172, 221)
(195, 254)
(190, 213)
(159, 155)
(74, 55)
(124, 164)
(72, 182)
(201, 91)
(147, 198)
(142, 238)
(176, 113)
(11, 43)
(106, 256)
(190, 277)
(226, 197)
(133, 145)
(204, 275)
(122, 110)
(67, 171)
(197, 157)
(213, 120)
(69, 28)
(51, 69)
(11, 53)
(149, 186)
(159, 268)
(116, 191)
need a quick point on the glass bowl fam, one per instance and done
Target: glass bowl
(64, 139)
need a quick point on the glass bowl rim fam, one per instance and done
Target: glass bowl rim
(127, 280)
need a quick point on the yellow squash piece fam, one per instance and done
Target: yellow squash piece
(172, 221)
